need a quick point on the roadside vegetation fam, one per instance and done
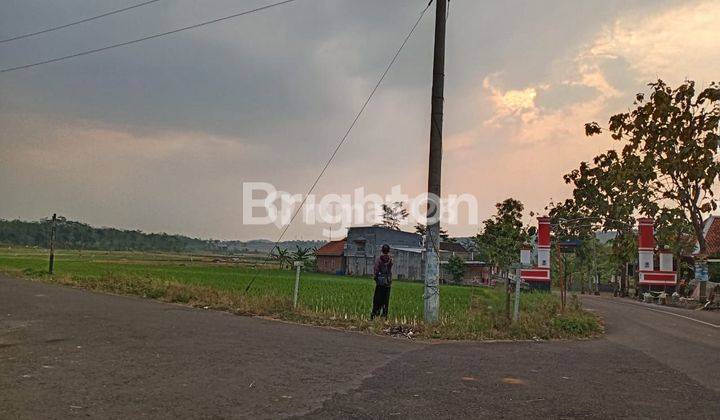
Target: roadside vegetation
(467, 312)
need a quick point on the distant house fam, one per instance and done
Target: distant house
(449, 249)
(330, 257)
(355, 255)
(363, 246)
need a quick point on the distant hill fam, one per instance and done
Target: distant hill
(77, 235)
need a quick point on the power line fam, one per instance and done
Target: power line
(344, 137)
(135, 41)
(55, 28)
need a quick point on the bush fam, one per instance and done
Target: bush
(576, 324)
(456, 267)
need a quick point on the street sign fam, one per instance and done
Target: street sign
(701, 271)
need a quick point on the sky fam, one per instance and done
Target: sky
(161, 135)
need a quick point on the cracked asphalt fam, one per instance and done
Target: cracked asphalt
(72, 353)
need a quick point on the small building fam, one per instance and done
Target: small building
(407, 263)
(476, 273)
(363, 244)
(330, 258)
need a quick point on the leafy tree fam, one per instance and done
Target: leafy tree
(569, 221)
(393, 215)
(609, 192)
(674, 232)
(422, 231)
(504, 234)
(501, 239)
(456, 267)
(671, 142)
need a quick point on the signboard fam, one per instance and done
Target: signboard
(701, 271)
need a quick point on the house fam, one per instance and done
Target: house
(356, 254)
(711, 232)
(330, 258)
(363, 244)
(449, 249)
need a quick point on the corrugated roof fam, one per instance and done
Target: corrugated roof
(407, 249)
(452, 247)
(332, 248)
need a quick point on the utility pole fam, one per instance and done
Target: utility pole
(432, 239)
(52, 244)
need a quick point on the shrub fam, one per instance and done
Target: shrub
(456, 267)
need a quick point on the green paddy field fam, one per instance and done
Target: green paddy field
(219, 282)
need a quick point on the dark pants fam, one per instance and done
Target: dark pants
(381, 300)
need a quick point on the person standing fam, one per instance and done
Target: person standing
(382, 272)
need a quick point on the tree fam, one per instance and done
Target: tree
(301, 254)
(282, 256)
(501, 239)
(570, 221)
(674, 232)
(393, 215)
(609, 191)
(504, 234)
(671, 141)
(421, 230)
(456, 267)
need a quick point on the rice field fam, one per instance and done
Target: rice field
(220, 282)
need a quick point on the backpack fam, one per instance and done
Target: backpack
(384, 277)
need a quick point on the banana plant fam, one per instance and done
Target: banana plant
(301, 254)
(282, 256)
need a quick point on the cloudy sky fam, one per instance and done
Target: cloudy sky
(160, 135)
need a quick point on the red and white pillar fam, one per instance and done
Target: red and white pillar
(543, 242)
(646, 244)
(648, 276)
(538, 276)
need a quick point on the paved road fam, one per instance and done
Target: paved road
(67, 353)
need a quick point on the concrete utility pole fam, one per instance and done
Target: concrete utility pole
(51, 268)
(432, 239)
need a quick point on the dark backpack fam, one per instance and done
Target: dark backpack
(384, 277)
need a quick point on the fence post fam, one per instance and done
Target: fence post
(51, 265)
(298, 266)
(518, 283)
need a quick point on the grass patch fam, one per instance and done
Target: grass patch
(466, 312)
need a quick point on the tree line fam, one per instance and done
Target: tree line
(77, 235)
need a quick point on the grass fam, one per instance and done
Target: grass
(213, 282)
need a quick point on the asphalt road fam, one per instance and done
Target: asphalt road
(72, 353)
